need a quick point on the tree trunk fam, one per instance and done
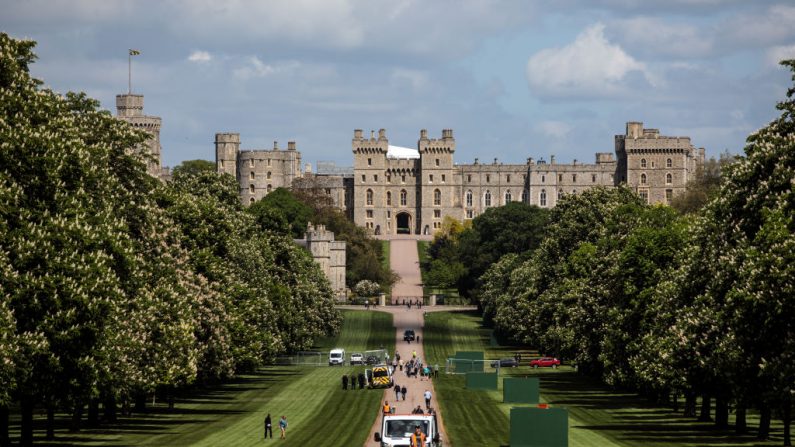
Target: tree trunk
(740, 423)
(77, 416)
(93, 413)
(706, 408)
(690, 404)
(787, 419)
(764, 423)
(26, 426)
(109, 407)
(140, 403)
(50, 421)
(5, 441)
(721, 413)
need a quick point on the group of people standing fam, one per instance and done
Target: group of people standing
(269, 429)
(352, 380)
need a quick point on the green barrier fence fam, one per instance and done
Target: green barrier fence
(481, 381)
(539, 427)
(468, 361)
(520, 390)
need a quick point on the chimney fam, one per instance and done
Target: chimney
(275, 145)
(291, 145)
(552, 159)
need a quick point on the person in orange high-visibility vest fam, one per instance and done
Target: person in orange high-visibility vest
(418, 438)
(386, 407)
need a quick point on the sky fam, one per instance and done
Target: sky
(513, 79)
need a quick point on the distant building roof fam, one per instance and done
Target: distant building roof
(402, 152)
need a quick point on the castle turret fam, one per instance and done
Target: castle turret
(227, 147)
(130, 108)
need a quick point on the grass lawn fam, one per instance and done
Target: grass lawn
(598, 416)
(318, 411)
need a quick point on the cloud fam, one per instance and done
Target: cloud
(255, 68)
(671, 39)
(779, 53)
(775, 26)
(588, 67)
(553, 129)
(200, 56)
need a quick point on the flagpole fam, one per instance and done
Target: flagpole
(129, 72)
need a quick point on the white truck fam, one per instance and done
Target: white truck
(336, 357)
(396, 430)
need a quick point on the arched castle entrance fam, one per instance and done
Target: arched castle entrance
(403, 221)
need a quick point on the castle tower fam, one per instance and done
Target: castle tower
(438, 196)
(227, 148)
(370, 180)
(130, 108)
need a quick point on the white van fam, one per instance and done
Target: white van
(396, 430)
(336, 357)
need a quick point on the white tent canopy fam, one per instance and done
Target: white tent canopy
(402, 152)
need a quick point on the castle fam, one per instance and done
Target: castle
(395, 189)
(130, 108)
(328, 253)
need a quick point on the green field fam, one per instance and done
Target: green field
(318, 411)
(598, 416)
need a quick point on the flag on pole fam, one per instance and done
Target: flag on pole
(134, 52)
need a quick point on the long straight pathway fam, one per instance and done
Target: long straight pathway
(405, 261)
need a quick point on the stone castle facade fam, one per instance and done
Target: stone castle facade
(130, 108)
(395, 189)
(328, 253)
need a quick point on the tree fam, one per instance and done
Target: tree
(194, 167)
(704, 186)
(282, 202)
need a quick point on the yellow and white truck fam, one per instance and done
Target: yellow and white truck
(379, 376)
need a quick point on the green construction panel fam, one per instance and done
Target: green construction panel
(471, 361)
(539, 427)
(520, 390)
(481, 381)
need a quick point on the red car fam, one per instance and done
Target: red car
(545, 362)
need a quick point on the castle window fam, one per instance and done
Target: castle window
(369, 214)
(221, 164)
(469, 198)
(388, 177)
(642, 162)
(328, 191)
(363, 178)
(430, 178)
(437, 162)
(560, 177)
(251, 189)
(403, 178)
(443, 179)
(437, 197)
(269, 188)
(369, 162)
(669, 195)
(375, 178)
(542, 198)
(488, 178)
(251, 162)
(574, 178)
(507, 197)
(269, 175)
(543, 178)
(469, 178)
(560, 193)
(389, 198)
(524, 196)
(593, 178)
(469, 214)
(388, 214)
(487, 199)
(251, 175)
(252, 200)
(369, 197)
(403, 196)
(644, 195)
(669, 163)
(437, 214)
(643, 179)
(269, 162)
(508, 178)
(669, 178)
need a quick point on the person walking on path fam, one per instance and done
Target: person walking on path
(345, 382)
(387, 408)
(268, 428)
(397, 392)
(403, 391)
(353, 381)
(427, 399)
(283, 426)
